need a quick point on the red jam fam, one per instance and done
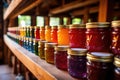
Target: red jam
(100, 66)
(98, 37)
(61, 57)
(37, 34)
(115, 46)
(54, 34)
(77, 36)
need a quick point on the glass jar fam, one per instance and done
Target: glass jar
(54, 34)
(27, 43)
(49, 52)
(35, 46)
(37, 33)
(42, 33)
(98, 36)
(117, 68)
(41, 46)
(63, 35)
(60, 57)
(28, 32)
(30, 44)
(100, 66)
(77, 36)
(77, 62)
(115, 46)
(48, 33)
(32, 32)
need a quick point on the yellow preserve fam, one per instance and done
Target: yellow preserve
(48, 33)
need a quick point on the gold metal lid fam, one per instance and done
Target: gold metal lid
(61, 48)
(47, 27)
(100, 57)
(37, 27)
(30, 39)
(97, 24)
(42, 42)
(77, 51)
(77, 26)
(50, 44)
(116, 23)
(63, 26)
(36, 40)
(54, 27)
(117, 61)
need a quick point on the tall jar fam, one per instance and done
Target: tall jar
(100, 66)
(117, 67)
(28, 32)
(49, 52)
(36, 32)
(42, 33)
(115, 46)
(30, 44)
(35, 46)
(98, 36)
(48, 33)
(77, 36)
(60, 57)
(77, 62)
(54, 34)
(63, 35)
(32, 32)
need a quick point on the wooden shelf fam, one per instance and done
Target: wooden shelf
(40, 68)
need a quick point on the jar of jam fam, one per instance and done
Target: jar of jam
(35, 46)
(41, 46)
(60, 57)
(63, 35)
(77, 36)
(49, 52)
(32, 32)
(77, 62)
(54, 34)
(100, 66)
(98, 36)
(117, 68)
(37, 33)
(48, 33)
(42, 33)
(115, 46)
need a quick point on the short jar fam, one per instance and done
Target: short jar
(42, 33)
(32, 32)
(48, 33)
(54, 38)
(36, 32)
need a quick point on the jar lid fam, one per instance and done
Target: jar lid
(97, 24)
(42, 42)
(100, 57)
(32, 27)
(77, 26)
(117, 61)
(77, 51)
(37, 27)
(61, 48)
(30, 39)
(116, 23)
(63, 26)
(50, 44)
(36, 40)
(47, 27)
(54, 27)
(26, 38)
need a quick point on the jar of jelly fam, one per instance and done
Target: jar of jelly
(35, 46)
(37, 33)
(117, 68)
(100, 66)
(41, 46)
(77, 62)
(98, 36)
(115, 46)
(32, 32)
(54, 34)
(63, 35)
(42, 33)
(49, 52)
(60, 57)
(48, 33)
(77, 36)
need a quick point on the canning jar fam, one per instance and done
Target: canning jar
(48, 33)
(28, 32)
(115, 46)
(32, 32)
(117, 68)
(77, 62)
(98, 36)
(30, 44)
(36, 32)
(77, 36)
(54, 34)
(63, 35)
(60, 57)
(35, 46)
(42, 33)
(100, 66)
(49, 52)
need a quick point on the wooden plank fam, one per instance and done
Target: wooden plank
(11, 8)
(73, 5)
(39, 67)
(27, 8)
